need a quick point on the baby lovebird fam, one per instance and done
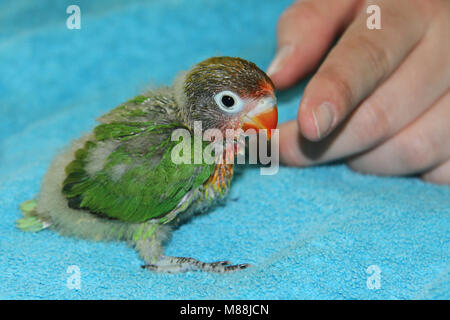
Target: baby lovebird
(119, 181)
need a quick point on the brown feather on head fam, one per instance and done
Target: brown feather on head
(229, 93)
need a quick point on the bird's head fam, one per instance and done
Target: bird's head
(229, 93)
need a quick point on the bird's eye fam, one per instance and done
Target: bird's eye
(229, 102)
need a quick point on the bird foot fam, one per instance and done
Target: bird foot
(182, 264)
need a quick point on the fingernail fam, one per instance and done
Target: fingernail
(323, 118)
(279, 59)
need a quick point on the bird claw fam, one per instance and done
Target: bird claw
(151, 267)
(220, 263)
(236, 267)
(181, 264)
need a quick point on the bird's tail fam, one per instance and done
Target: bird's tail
(31, 222)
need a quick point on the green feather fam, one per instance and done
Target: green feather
(150, 187)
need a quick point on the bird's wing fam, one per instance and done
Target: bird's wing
(126, 172)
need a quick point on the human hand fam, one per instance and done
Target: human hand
(381, 98)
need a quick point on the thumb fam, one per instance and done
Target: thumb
(305, 32)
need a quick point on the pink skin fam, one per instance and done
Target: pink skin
(381, 98)
(265, 117)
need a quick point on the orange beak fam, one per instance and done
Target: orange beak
(263, 116)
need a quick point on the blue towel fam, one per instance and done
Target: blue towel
(315, 233)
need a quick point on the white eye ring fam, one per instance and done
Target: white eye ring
(237, 105)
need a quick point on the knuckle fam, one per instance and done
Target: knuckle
(308, 9)
(417, 153)
(374, 125)
(301, 10)
(357, 166)
(339, 88)
(429, 9)
(377, 56)
(430, 177)
(439, 174)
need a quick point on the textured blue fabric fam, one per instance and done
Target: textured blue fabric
(310, 233)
